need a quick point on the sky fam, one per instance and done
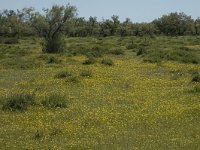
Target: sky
(136, 10)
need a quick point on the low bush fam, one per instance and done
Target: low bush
(107, 62)
(52, 59)
(196, 77)
(89, 61)
(117, 51)
(62, 74)
(11, 40)
(55, 100)
(86, 73)
(19, 102)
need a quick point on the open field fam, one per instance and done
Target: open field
(141, 97)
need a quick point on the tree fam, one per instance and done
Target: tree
(174, 24)
(50, 26)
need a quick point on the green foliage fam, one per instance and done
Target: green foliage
(11, 40)
(117, 51)
(141, 51)
(96, 51)
(86, 73)
(63, 74)
(196, 77)
(197, 89)
(72, 78)
(52, 59)
(89, 61)
(54, 45)
(19, 102)
(107, 62)
(55, 100)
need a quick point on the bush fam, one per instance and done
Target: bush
(141, 51)
(117, 51)
(86, 73)
(62, 74)
(89, 61)
(55, 45)
(55, 100)
(196, 77)
(107, 62)
(72, 78)
(52, 59)
(19, 102)
(96, 51)
(131, 46)
(197, 89)
(12, 40)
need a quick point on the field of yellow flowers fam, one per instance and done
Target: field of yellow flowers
(130, 105)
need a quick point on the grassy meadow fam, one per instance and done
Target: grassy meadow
(108, 93)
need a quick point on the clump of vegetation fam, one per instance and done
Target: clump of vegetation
(86, 73)
(52, 59)
(89, 61)
(197, 89)
(55, 100)
(38, 135)
(63, 74)
(96, 51)
(107, 62)
(72, 79)
(117, 51)
(131, 46)
(141, 51)
(11, 40)
(196, 77)
(19, 102)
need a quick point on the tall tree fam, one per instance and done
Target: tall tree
(50, 25)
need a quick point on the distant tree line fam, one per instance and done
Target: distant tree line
(22, 23)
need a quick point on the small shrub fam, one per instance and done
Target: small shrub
(72, 78)
(52, 59)
(117, 51)
(62, 74)
(12, 40)
(197, 89)
(38, 135)
(107, 62)
(131, 46)
(19, 102)
(89, 61)
(86, 73)
(54, 45)
(96, 51)
(196, 77)
(55, 100)
(141, 51)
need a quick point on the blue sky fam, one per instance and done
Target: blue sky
(136, 10)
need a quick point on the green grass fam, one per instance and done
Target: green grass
(132, 104)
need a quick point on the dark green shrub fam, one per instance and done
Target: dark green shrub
(197, 89)
(141, 51)
(72, 79)
(55, 100)
(107, 62)
(89, 61)
(19, 102)
(86, 73)
(62, 74)
(131, 46)
(11, 40)
(117, 51)
(96, 51)
(52, 59)
(38, 135)
(196, 77)
(54, 45)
